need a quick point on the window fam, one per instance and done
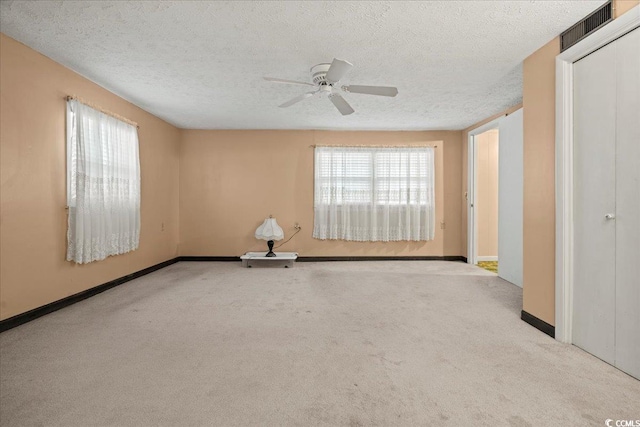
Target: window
(103, 185)
(374, 194)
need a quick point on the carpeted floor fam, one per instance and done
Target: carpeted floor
(347, 343)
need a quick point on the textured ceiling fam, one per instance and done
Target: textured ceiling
(200, 64)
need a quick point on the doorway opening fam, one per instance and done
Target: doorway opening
(482, 188)
(495, 197)
(486, 198)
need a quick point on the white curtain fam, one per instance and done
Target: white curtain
(103, 185)
(374, 194)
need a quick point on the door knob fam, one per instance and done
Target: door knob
(610, 216)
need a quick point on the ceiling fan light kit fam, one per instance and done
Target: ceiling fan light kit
(325, 77)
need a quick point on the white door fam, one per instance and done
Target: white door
(594, 197)
(606, 210)
(510, 193)
(628, 204)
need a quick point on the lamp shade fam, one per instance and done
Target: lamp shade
(269, 230)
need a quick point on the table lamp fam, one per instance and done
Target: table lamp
(270, 231)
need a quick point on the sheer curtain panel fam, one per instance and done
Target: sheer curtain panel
(372, 194)
(103, 185)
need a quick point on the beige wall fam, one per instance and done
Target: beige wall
(487, 193)
(231, 180)
(539, 182)
(539, 177)
(623, 6)
(32, 177)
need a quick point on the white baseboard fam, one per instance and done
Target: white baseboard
(487, 258)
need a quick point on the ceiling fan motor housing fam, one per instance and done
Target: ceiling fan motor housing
(319, 74)
(325, 78)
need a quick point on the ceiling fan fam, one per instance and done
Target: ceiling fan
(325, 79)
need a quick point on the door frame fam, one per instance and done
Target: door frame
(564, 163)
(472, 175)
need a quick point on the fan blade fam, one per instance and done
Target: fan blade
(297, 99)
(341, 104)
(337, 70)
(293, 82)
(372, 90)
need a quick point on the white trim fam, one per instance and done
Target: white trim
(564, 162)
(487, 258)
(472, 157)
(471, 152)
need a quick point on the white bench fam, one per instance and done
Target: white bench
(282, 259)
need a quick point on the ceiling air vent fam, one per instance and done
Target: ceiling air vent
(582, 29)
